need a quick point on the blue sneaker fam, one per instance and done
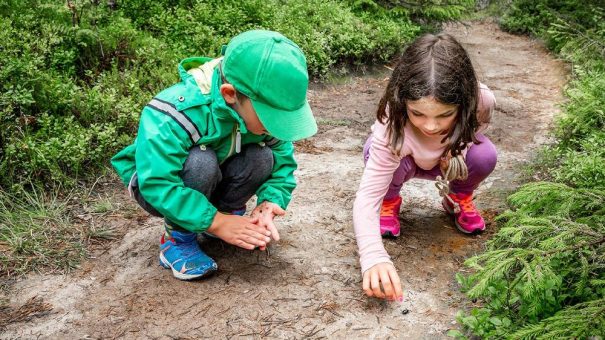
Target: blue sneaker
(183, 255)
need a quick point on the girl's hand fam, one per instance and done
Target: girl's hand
(266, 212)
(385, 275)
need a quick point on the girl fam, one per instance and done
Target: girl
(429, 125)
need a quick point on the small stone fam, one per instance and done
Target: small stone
(405, 311)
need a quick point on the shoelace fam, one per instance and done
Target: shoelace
(466, 203)
(388, 208)
(456, 169)
(189, 250)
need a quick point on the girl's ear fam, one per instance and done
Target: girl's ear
(228, 93)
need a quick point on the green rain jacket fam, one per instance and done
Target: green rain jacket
(189, 113)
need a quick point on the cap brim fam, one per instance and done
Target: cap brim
(285, 125)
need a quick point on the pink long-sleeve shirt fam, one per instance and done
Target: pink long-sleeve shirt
(378, 173)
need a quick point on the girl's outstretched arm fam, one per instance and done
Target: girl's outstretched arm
(375, 181)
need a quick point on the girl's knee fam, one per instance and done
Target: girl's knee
(405, 171)
(482, 158)
(407, 165)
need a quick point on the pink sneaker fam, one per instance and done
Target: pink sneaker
(468, 220)
(389, 217)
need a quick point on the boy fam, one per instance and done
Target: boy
(210, 142)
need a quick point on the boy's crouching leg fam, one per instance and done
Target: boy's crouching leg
(179, 250)
(243, 174)
(201, 170)
(133, 187)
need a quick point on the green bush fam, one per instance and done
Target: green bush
(427, 11)
(546, 261)
(543, 273)
(71, 89)
(328, 31)
(579, 157)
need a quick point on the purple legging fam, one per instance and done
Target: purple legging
(480, 160)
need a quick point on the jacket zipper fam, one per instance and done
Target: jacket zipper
(236, 142)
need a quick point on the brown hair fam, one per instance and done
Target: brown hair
(240, 96)
(437, 66)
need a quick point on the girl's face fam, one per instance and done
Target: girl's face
(430, 116)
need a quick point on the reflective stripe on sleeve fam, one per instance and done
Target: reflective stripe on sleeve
(178, 116)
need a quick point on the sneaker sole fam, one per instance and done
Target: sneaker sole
(181, 276)
(389, 234)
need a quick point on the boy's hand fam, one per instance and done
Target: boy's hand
(385, 275)
(240, 231)
(265, 212)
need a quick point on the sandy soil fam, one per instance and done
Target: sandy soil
(310, 284)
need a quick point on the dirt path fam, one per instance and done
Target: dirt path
(310, 285)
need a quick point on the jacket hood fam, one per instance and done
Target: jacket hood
(204, 73)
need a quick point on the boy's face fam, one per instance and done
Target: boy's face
(431, 117)
(243, 107)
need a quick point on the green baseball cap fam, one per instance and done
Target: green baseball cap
(272, 71)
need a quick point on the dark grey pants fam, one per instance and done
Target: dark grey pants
(227, 186)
